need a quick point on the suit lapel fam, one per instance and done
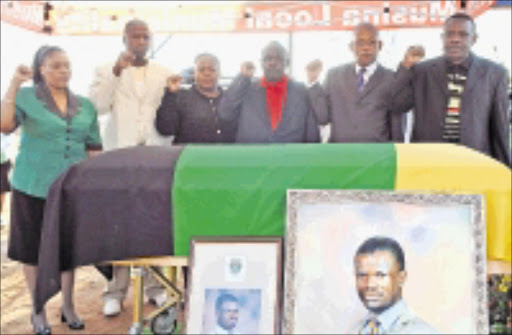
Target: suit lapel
(474, 74)
(375, 80)
(353, 79)
(439, 72)
(263, 101)
(286, 111)
(147, 81)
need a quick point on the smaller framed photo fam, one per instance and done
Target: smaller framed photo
(234, 285)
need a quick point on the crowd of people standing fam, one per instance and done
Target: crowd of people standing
(455, 98)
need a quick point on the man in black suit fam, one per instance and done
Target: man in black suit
(457, 97)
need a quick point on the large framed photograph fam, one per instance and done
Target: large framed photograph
(234, 285)
(381, 262)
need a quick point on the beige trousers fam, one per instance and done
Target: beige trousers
(118, 286)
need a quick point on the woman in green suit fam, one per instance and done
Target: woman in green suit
(58, 129)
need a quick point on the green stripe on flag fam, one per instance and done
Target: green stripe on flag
(241, 189)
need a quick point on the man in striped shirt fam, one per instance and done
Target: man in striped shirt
(456, 79)
(458, 97)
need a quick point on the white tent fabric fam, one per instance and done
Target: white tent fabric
(86, 52)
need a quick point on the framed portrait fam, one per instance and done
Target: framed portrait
(234, 285)
(368, 262)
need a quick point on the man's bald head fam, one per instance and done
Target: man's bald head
(136, 38)
(133, 23)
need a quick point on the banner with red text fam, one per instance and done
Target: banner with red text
(67, 18)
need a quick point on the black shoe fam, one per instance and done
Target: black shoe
(40, 330)
(75, 325)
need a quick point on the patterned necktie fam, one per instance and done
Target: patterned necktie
(360, 79)
(373, 327)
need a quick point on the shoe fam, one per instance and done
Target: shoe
(74, 325)
(159, 300)
(111, 307)
(41, 329)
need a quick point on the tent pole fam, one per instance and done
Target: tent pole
(290, 52)
(154, 51)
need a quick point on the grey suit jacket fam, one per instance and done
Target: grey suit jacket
(485, 105)
(357, 116)
(246, 102)
(399, 320)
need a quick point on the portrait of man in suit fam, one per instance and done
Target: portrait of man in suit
(384, 264)
(231, 311)
(379, 265)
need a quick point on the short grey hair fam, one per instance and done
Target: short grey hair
(275, 45)
(366, 26)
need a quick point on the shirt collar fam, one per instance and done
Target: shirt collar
(220, 330)
(390, 315)
(196, 89)
(281, 83)
(464, 65)
(370, 69)
(43, 93)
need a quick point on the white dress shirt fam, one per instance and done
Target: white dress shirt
(221, 331)
(370, 70)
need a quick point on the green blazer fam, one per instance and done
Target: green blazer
(51, 142)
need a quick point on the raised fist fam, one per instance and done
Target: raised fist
(124, 60)
(413, 55)
(173, 82)
(247, 69)
(22, 74)
(313, 70)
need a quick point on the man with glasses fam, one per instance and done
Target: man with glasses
(356, 97)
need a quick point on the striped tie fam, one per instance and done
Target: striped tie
(360, 79)
(373, 327)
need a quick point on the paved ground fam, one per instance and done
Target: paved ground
(15, 301)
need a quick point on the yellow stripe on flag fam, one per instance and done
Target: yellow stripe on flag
(450, 168)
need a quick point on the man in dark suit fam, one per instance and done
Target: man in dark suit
(357, 96)
(458, 97)
(274, 109)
